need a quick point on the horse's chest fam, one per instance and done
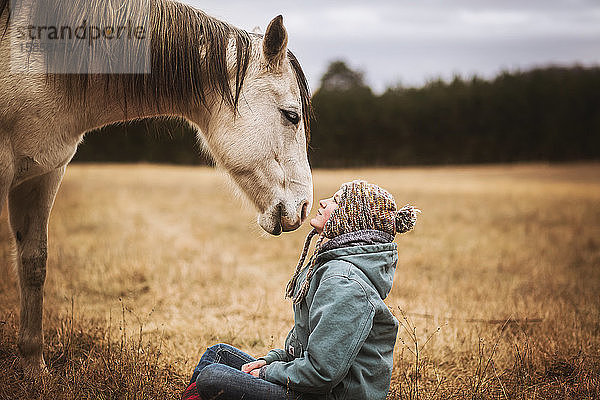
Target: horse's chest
(41, 162)
(26, 168)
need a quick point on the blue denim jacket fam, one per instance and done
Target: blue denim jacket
(342, 342)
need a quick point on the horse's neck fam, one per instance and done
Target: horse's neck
(100, 101)
(105, 105)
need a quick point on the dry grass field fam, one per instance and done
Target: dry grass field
(148, 265)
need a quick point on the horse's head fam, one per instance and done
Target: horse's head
(262, 144)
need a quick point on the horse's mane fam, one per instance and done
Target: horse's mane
(3, 7)
(188, 58)
(187, 54)
(307, 112)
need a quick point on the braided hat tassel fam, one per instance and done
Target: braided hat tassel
(289, 290)
(309, 273)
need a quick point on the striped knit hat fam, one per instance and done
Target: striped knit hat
(361, 205)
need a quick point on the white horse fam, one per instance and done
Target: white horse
(245, 95)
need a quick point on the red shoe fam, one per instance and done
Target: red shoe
(191, 393)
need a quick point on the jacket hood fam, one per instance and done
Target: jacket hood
(372, 252)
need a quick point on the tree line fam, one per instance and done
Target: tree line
(544, 114)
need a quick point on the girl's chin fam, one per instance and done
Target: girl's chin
(318, 227)
(314, 223)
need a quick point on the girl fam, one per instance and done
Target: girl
(342, 342)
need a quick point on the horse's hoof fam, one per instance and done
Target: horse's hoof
(34, 368)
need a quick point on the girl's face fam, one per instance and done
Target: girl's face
(326, 207)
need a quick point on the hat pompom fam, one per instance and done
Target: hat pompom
(406, 218)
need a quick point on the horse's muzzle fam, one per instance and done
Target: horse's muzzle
(290, 224)
(281, 220)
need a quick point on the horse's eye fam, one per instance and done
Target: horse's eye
(291, 116)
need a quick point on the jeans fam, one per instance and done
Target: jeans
(218, 376)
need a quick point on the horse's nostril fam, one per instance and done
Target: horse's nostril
(304, 212)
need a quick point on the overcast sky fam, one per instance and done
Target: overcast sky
(409, 42)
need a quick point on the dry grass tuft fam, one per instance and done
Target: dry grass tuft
(84, 363)
(149, 265)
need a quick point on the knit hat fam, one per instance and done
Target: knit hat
(361, 205)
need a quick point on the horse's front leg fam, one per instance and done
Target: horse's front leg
(29, 206)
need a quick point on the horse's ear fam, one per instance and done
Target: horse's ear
(275, 42)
